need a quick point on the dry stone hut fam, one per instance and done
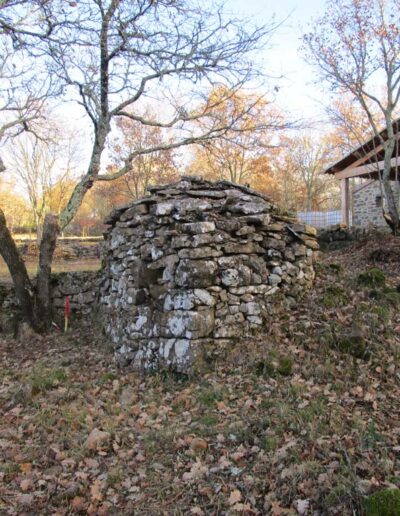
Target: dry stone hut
(195, 265)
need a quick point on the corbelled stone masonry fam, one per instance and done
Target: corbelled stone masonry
(195, 265)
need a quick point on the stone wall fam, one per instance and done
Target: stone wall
(367, 208)
(338, 236)
(81, 287)
(195, 266)
(66, 250)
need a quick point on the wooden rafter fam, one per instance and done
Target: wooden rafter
(368, 169)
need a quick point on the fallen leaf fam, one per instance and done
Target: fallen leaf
(95, 490)
(26, 484)
(302, 506)
(97, 438)
(198, 444)
(234, 497)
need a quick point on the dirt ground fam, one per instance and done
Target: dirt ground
(304, 419)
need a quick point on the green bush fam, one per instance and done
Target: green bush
(352, 346)
(334, 296)
(374, 278)
(383, 503)
(264, 368)
(270, 368)
(285, 366)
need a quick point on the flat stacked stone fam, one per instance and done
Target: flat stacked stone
(194, 266)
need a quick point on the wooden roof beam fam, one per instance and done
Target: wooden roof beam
(365, 156)
(371, 153)
(370, 168)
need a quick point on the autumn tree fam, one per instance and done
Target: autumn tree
(14, 205)
(349, 123)
(111, 55)
(355, 47)
(241, 156)
(145, 169)
(302, 161)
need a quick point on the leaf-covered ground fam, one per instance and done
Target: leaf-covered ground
(302, 420)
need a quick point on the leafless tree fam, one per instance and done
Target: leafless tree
(356, 48)
(43, 168)
(113, 54)
(23, 90)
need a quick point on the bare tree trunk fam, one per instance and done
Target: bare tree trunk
(19, 274)
(47, 247)
(394, 221)
(35, 304)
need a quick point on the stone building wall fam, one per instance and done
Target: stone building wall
(367, 207)
(195, 266)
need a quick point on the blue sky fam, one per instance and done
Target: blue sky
(298, 94)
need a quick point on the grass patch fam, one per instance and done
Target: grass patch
(274, 365)
(372, 278)
(209, 396)
(334, 296)
(269, 443)
(44, 379)
(208, 420)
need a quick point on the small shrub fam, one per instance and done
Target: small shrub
(334, 296)
(383, 503)
(351, 345)
(336, 267)
(209, 396)
(285, 366)
(264, 368)
(374, 278)
(269, 443)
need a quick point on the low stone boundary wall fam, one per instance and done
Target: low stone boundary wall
(339, 235)
(66, 250)
(81, 287)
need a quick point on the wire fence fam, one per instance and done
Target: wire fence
(321, 219)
